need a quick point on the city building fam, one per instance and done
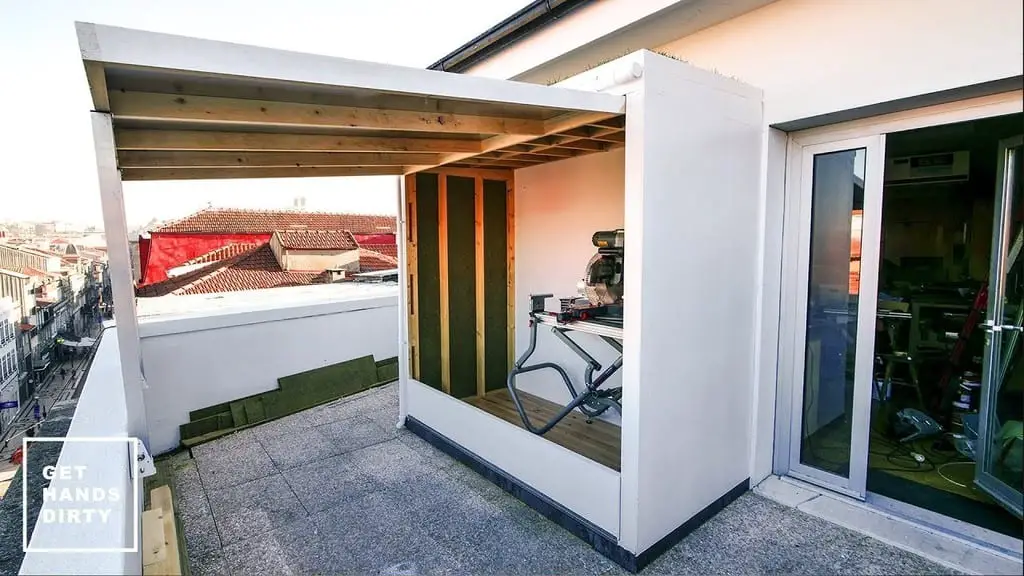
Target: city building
(45, 228)
(21, 290)
(10, 399)
(17, 257)
(58, 293)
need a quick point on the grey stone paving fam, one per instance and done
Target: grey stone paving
(338, 490)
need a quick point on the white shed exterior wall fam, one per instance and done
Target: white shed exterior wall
(693, 210)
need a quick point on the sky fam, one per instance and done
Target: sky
(47, 162)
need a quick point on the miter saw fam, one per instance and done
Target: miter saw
(600, 290)
(596, 310)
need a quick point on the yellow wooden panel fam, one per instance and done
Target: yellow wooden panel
(412, 264)
(510, 225)
(442, 251)
(478, 197)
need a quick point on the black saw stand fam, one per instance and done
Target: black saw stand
(602, 321)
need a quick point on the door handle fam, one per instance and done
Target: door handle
(988, 327)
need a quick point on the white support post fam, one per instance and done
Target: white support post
(403, 306)
(115, 229)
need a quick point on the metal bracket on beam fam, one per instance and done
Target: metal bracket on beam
(145, 466)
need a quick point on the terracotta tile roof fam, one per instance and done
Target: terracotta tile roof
(29, 271)
(316, 239)
(370, 261)
(224, 252)
(239, 221)
(254, 269)
(390, 250)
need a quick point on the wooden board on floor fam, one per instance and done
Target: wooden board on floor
(600, 441)
(160, 536)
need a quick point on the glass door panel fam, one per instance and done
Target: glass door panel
(1000, 438)
(841, 221)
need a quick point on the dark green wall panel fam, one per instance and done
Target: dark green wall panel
(462, 285)
(428, 281)
(495, 284)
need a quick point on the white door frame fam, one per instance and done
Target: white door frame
(996, 328)
(789, 328)
(795, 290)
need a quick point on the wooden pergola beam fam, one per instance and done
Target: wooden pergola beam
(597, 133)
(177, 107)
(218, 159)
(618, 122)
(135, 139)
(566, 121)
(498, 163)
(574, 143)
(138, 174)
(542, 151)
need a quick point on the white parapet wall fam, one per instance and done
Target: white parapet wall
(88, 463)
(238, 345)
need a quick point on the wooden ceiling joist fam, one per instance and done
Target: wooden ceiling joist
(136, 139)
(219, 159)
(575, 143)
(562, 123)
(592, 133)
(139, 174)
(208, 109)
(529, 149)
(618, 122)
(497, 163)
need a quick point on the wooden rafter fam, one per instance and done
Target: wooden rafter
(511, 164)
(134, 139)
(227, 173)
(556, 125)
(218, 159)
(526, 148)
(164, 107)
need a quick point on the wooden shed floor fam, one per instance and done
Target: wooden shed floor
(599, 440)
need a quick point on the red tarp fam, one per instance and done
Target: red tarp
(165, 251)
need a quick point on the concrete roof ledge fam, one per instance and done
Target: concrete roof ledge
(191, 313)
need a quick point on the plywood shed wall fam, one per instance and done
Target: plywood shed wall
(461, 279)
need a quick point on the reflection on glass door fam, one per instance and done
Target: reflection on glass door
(1001, 438)
(840, 216)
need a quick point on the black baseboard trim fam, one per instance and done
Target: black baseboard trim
(600, 540)
(677, 535)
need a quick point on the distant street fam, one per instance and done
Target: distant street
(54, 389)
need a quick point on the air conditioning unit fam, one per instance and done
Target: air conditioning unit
(928, 168)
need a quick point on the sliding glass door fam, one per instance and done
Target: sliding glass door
(1000, 438)
(836, 217)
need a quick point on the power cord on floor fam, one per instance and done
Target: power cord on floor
(947, 478)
